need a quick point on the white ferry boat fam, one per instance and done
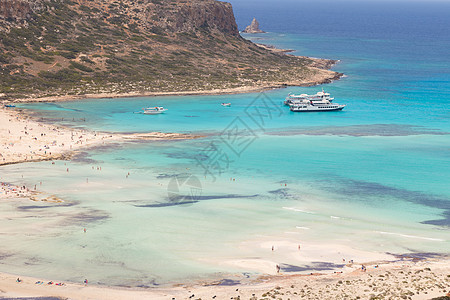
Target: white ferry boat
(310, 103)
(310, 107)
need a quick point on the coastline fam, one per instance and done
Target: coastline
(320, 67)
(406, 278)
(23, 139)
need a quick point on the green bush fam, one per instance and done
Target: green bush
(81, 67)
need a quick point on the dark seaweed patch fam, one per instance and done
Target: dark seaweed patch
(361, 130)
(216, 197)
(88, 216)
(351, 187)
(281, 193)
(156, 205)
(183, 155)
(83, 157)
(58, 205)
(229, 282)
(178, 200)
(168, 176)
(418, 255)
(314, 266)
(441, 222)
(5, 256)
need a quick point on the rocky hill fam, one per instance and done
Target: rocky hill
(77, 47)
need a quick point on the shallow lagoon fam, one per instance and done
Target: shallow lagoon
(370, 179)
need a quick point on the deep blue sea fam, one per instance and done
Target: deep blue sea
(369, 180)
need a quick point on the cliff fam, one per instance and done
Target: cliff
(78, 47)
(253, 27)
(17, 11)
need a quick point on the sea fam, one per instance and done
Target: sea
(368, 181)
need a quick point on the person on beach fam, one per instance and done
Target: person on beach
(278, 269)
(85, 282)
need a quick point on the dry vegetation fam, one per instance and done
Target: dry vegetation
(89, 47)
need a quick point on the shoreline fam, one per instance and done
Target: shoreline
(24, 139)
(406, 278)
(323, 76)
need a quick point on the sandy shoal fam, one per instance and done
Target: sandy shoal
(23, 139)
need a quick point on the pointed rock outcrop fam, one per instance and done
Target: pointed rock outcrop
(253, 28)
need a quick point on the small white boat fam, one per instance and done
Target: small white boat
(154, 110)
(226, 104)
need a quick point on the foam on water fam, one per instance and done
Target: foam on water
(411, 236)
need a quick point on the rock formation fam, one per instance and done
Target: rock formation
(17, 10)
(253, 28)
(198, 15)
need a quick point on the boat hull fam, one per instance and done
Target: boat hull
(316, 110)
(153, 113)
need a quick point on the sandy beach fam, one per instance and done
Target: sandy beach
(25, 140)
(403, 279)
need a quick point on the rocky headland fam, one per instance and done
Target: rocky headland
(74, 48)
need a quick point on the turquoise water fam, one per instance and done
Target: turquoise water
(373, 177)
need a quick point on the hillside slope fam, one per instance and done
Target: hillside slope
(64, 47)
